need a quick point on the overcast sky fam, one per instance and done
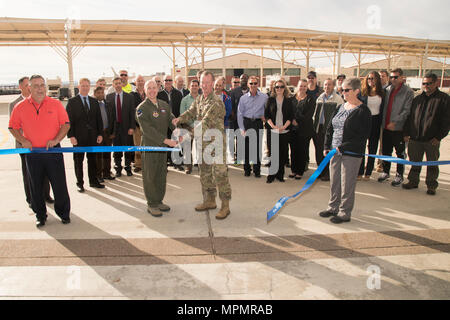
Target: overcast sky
(418, 19)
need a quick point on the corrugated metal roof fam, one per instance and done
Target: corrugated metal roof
(41, 32)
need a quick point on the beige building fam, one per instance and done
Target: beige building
(413, 66)
(247, 63)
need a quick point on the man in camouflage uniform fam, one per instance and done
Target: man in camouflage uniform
(210, 111)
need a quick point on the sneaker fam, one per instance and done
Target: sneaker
(383, 177)
(398, 180)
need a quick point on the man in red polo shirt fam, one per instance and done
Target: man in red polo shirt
(44, 123)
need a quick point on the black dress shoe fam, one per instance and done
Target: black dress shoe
(109, 177)
(270, 179)
(40, 223)
(247, 173)
(97, 185)
(327, 214)
(118, 174)
(129, 173)
(338, 220)
(280, 179)
(137, 169)
(80, 188)
(101, 180)
(50, 200)
(65, 221)
(258, 175)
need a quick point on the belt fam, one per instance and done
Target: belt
(252, 119)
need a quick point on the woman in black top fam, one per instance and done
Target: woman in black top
(278, 114)
(372, 95)
(302, 129)
(347, 132)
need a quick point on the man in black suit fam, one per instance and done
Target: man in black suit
(173, 97)
(236, 95)
(139, 96)
(86, 128)
(109, 123)
(125, 124)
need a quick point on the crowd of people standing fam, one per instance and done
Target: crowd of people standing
(378, 112)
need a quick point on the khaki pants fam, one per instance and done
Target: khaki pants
(137, 136)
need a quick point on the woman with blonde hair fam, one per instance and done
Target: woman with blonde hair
(278, 114)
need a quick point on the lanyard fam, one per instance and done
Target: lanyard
(37, 109)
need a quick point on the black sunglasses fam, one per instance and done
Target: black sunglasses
(253, 83)
(393, 77)
(236, 82)
(371, 78)
(123, 75)
(427, 83)
(346, 90)
(168, 80)
(280, 87)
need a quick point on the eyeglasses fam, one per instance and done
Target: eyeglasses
(124, 75)
(346, 90)
(168, 80)
(311, 78)
(280, 87)
(371, 78)
(38, 86)
(427, 83)
(253, 83)
(394, 77)
(236, 82)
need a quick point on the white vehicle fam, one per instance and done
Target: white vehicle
(414, 83)
(53, 86)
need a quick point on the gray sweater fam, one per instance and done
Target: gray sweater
(401, 107)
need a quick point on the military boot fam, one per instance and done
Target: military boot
(208, 203)
(224, 210)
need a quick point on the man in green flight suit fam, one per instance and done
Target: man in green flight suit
(209, 110)
(154, 117)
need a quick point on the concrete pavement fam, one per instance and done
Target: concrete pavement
(396, 246)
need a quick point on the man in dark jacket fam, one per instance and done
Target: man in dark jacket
(125, 124)
(109, 123)
(173, 98)
(235, 96)
(427, 124)
(86, 128)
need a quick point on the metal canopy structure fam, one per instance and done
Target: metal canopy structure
(68, 37)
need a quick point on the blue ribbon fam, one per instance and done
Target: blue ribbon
(280, 203)
(402, 161)
(307, 185)
(87, 149)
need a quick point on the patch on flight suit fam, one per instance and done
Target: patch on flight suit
(155, 114)
(139, 112)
